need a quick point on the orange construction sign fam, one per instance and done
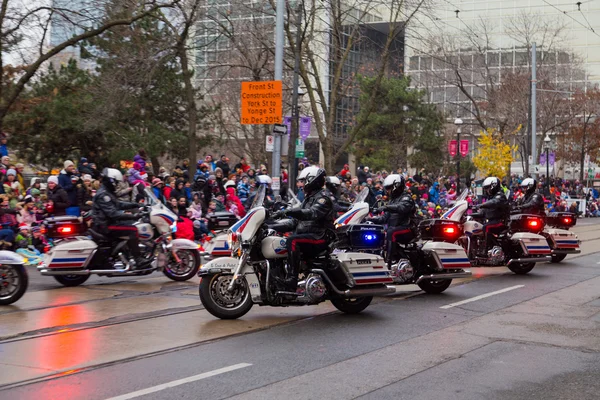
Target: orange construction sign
(261, 103)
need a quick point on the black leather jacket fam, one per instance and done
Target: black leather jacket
(338, 205)
(397, 212)
(533, 204)
(497, 208)
(316, 215)
(107, 209)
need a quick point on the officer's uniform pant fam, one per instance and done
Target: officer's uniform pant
(394, 236)
(492, 228)
(307, 244)
(126, 230)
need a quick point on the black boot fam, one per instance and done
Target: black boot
(142, 263)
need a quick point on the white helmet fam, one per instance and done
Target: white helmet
(264, 179)
(229, 183)
(113, 174)
(394, 183)
(530, 184)
(313, 177)
(491, 185)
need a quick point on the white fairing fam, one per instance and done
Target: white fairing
(246, 227)
(10, 258)
(274, 247)
(473, 228)
(218, 246)
(355, 215)
(145, 231)
(457, 211)
(160, 216)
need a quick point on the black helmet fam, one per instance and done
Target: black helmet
(491, 186)
(394, 184)
(313, 178)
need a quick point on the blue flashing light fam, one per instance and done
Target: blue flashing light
(369, 237)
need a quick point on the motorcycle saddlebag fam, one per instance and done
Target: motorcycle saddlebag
(532, 244)
(446, 255)
(562, 220)
(221, 220)
(70, 255)
(360, 237)
(64, 226)
(365, 269)
(563, 239)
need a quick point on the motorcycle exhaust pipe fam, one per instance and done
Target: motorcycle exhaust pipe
(454, 275)
(529, 259)
(387, 289)
(49, 272)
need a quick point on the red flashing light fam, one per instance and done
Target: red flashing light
(449, 230)
(567, 220)
(65, 229)
(533, 223)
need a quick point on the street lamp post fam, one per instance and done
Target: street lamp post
(547, 141)
(458, 122)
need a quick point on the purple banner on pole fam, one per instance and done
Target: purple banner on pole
(287, 121)
(305, 127)
(543, 158)
(551, 158)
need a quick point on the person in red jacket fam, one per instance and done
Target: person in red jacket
(231, 196)
(344, 171)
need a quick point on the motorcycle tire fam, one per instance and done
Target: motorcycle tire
(213, 295)
(71, 280)
(435, 287)
(556, 258)
(20, 274)
(183, 274)
(352, 306)
(521, 268)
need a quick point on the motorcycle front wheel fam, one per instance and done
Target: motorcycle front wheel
(184, 269)
(222, 303)
(13, 283)
(352, 306)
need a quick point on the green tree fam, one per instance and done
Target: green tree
(139, 90)
(402, 120)
(48, 121)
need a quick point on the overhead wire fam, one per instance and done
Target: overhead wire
(570, 16)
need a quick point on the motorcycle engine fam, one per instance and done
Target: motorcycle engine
(496, 255)
(402, 271)
(314, 288)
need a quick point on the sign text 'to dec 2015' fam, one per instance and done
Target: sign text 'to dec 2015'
(261, 103)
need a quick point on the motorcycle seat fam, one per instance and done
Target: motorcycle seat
(98, 237)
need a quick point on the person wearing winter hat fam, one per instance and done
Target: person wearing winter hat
(157, 189)
(134, 173)
(12, 187)
(84, 166)
(64, 181)
(5, 162)
(58, 199)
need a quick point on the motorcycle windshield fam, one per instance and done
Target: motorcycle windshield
(362, 196)
(463, 195)
(151, 199)
(260, 196)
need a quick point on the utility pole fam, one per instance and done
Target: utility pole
(276, 164)
(533, 102)
(295, 111)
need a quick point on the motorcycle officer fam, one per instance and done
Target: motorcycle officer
(109, 218)
(396, 214)
(532, 202)
(334, 184)
(496, 210)
(315, 218)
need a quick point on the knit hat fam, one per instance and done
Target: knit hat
(83, 160)
(137, 166)
(35, 192)
(28, 199)
(156, 181)
(53, 179)
(68, 164)
(11, 172)
(23, 226)
(87, 177)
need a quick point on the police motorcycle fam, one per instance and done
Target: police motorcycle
(431, 263)
(13, 277)
(71, 263)
(230, 286)
(519, 247)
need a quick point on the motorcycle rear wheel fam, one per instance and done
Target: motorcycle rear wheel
(13, 283)
(221, 303)
(521, 268)
(71, 280)
(352, 306)
(435, 287)
(186, 269)
(556, 258)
